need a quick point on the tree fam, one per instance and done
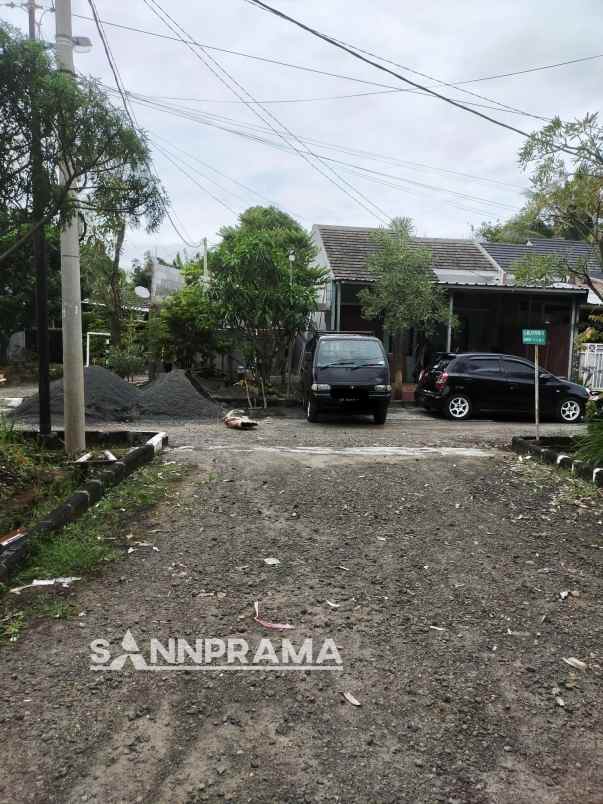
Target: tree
(142, 273)
(18, 285)
(567, 197)
(405, 293)
(518, 229)
(87, 146)
(264, 297)
(189, 322)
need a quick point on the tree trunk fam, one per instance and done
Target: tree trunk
(398, 365)
(116, 313)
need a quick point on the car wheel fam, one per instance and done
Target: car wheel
(458, 407)
(312, 410)
(380, 414)
(570, 410)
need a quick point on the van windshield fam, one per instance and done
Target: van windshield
(348, 352)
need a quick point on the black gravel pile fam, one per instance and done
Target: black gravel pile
(107, 396)
(173, 394)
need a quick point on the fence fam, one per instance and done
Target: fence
(591, 365)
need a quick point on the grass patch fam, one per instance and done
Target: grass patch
(79, 548)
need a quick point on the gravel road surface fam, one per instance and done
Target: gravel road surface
(445, 558)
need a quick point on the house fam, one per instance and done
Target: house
(478, 279)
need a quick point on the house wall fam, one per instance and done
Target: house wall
(493, 322)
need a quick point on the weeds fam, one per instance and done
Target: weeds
(80, 548)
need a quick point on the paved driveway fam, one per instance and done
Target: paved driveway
(431, 559)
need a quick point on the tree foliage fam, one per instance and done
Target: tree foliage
(405, 293)
(263, 297)
(87, 146)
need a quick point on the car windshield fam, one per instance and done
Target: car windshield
(348, 352)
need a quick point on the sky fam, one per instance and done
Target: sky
(420, 142)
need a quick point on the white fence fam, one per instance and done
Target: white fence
(591, 365)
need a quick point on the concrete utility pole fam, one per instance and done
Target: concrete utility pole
(73, 358)
(40, 251)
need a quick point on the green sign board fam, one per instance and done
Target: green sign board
(534, 337)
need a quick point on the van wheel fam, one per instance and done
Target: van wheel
(570, 410)
(458, 407)
(312, 410)
(380, 414)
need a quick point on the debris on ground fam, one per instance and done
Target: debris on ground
(577, 663)
(333, 605)
(65, 583)
(272, 562)
(267, 624)
(351, 699)
(237, 420)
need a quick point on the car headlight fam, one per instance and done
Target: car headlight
(383, 388)
(321, 386)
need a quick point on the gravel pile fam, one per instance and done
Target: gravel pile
(173, 394)
(108, 397)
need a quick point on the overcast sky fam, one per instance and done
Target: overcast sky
(450, 40)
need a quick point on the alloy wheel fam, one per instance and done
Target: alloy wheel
(570, 410)
(458, 407)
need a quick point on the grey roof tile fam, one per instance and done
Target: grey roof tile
(506, 254)
(348, 249)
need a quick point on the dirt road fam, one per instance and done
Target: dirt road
(445, 567)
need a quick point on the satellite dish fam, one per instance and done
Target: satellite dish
(142, 292)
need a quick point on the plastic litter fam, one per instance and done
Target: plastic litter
(237, 420)
(350, 699)
(65, 583)
(272, 562)
(267, 624)
(332, 605)
(577, 663)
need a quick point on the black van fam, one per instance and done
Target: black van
(345, 373)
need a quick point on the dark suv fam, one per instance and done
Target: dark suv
(345, 373)
(459, 385)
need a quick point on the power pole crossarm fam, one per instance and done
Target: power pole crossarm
(73, 358)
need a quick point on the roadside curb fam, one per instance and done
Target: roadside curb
(550, 450)
(15, 551)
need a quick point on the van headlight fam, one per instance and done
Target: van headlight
(321, 386)
(383, 388)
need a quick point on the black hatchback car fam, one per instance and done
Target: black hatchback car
(461, 384)
(345, 373)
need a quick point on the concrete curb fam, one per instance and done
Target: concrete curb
(16, 551)
(555, 455)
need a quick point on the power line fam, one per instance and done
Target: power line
(524, 71)
(124, 97)
(531, 69)
(195, 114)
(219, 71)
(201, 119)
(336, 43)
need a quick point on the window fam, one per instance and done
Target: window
(518, 370)
(350, 351)
(484, 366)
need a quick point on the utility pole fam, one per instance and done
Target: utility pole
(40, 249)
(73, 357)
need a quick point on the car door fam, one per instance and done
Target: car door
(519, 385)
(484, 382)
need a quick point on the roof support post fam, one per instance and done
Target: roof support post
(450, 315)
(572, 335)
(338, 307)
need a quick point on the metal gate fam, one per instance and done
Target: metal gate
(591, 365)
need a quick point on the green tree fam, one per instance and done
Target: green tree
(188, 325)
(264, 283)
(87, 146)
(566, 163)
(142, 272)
(518, 229)
(405, 293)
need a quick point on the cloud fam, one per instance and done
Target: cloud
(452, 41)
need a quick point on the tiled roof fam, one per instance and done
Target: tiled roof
(506, 254)
(348, 247)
